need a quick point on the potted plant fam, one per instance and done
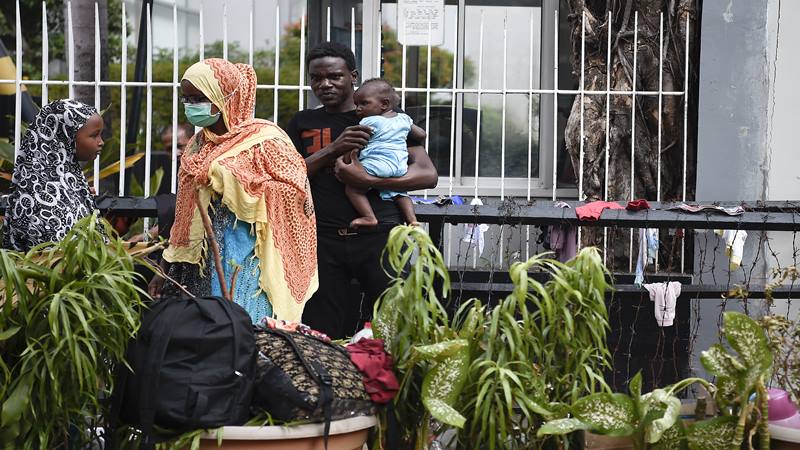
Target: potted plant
(651, 419)
(67, 311)
(490, 375)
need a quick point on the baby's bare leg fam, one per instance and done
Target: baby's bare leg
(361, 204)
(406, 207)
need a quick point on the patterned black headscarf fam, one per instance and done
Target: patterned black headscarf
(49, 191)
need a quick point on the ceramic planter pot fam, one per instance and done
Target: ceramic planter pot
(784, 438)
(346, 434)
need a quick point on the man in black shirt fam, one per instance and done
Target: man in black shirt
(324, 136)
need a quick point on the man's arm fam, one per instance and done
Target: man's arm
(421, 173)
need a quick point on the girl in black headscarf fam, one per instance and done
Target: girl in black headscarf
(49, 191)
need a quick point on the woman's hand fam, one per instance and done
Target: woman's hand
(155, 287)
(350, 171)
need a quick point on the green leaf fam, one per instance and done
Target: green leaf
(671, 407)
(747, 337)
(609, 414)
(8, 333)
(672, 439)
(635, 386)
(6, 151)
(561, 427)
(441, 350)
(17, 402)
(714, 434)
(442, 385)
(718, 362)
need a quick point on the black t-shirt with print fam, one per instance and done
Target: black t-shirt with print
(310, 131)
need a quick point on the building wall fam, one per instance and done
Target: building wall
(747, 119)
(783, 182)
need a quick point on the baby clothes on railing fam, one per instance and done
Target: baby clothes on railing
(664, 295)
(734, 245)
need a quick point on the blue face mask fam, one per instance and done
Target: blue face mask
(199, 114)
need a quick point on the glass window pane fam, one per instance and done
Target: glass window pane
(518, 21)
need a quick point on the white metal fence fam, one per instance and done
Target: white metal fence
(369, 37)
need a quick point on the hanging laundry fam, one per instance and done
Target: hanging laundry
(734, 245)
(473, 232)
(648, 248)
(637, 205)
(563, 239)
(731, 211)
(665, 296)
(590, 212)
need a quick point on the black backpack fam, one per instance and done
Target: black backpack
(193, 367)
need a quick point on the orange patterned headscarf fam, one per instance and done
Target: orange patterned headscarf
(260, 177)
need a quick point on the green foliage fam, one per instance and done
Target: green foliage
(31, 19)
(492, 375)
(784, 337)
(645, 418)
(67, 313)
(651, 420)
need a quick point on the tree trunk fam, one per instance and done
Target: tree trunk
(646, 149)
(83, 30)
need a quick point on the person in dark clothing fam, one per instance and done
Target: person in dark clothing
(329, 139)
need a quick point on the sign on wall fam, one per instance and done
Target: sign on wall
(417, 18)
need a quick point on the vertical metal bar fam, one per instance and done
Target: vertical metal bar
(403, 69)
(660, 104)
(452, 138)
(202, 35)
(353, 30)
(503, 129)
(478, 127)
(277, 63)
(302, 75)
(478, 132)
(660, 90)
(503, 114)
(250, 48)
(580, 145)
(70, 53)
(148, 143)
(97, 76)
(608, 128)
(173, 186)
(685, 130)
(428, 96)
(633, 98)
(530, 133)
(328, 27)
(17, 84)
(45, 55)
(633, 124)
(555, 104)
(380, 44)
(582, 87)
(123, 74)
(225, 31)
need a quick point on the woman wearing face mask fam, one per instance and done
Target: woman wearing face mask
(49, 192)
(247, 175)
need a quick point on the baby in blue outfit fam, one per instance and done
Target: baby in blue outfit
(386, 153)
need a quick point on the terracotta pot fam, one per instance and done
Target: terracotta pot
(346, 434)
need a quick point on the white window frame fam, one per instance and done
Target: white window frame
(541, 186)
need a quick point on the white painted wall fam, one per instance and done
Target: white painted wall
(782, 154)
